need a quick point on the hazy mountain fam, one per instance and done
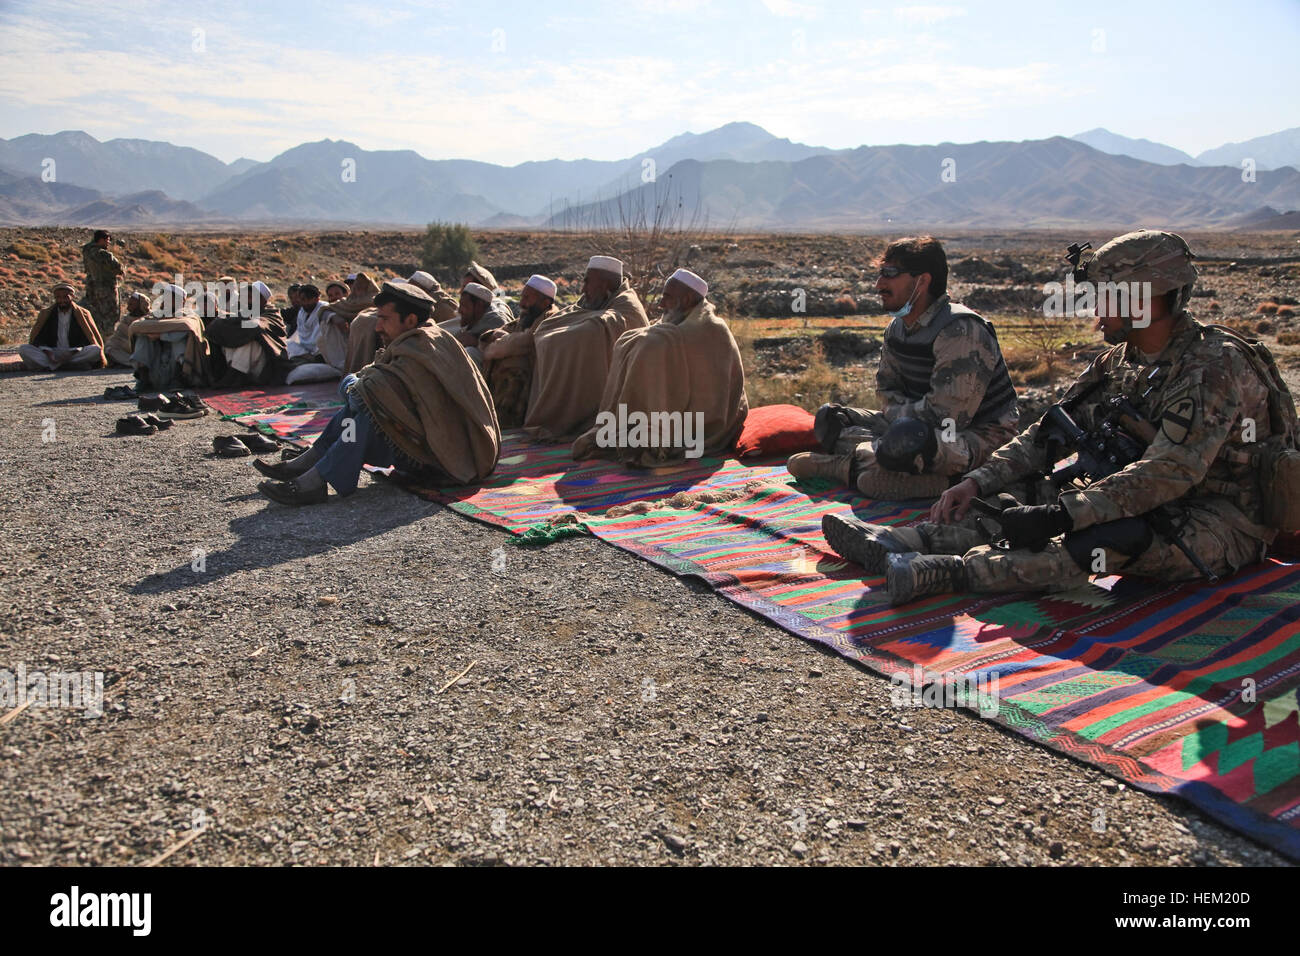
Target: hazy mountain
(738, 175)
(1143, 149)
(1269, 152)
(28, 200)
(115, 166)
(307, 182)
(1049, 182)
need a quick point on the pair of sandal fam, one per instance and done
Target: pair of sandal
(142, 424)
(173, 404)
(115, 393)
(241, 446)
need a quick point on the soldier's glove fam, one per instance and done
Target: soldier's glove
(1032, 526)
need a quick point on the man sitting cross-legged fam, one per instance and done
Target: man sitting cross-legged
(421, 406)
(64, 336)
(947, 398)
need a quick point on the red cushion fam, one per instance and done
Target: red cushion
(776, 430)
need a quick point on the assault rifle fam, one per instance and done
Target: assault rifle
(1120, 438)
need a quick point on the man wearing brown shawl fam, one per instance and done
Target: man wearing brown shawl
(421, 406)
(508, 352)
(676, 390)
(65, 336)
(169, 349)
(572, 353)
(118, 346)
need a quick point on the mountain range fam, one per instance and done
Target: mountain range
(736, 176)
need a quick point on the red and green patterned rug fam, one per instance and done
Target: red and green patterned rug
(1189, 690)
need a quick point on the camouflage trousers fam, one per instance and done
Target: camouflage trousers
(510, 395)
(1221, 546)
(101, 300)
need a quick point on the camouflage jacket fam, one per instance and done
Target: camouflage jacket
(1205, 398)
(967, 384)
(101, 265)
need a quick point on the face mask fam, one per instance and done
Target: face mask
(906, 310)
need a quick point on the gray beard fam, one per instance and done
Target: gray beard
(674, 316)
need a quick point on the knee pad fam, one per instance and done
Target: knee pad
(909, 446)
(1129, 536)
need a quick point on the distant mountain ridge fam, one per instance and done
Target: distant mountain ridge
(738, 175)
(1268, 152)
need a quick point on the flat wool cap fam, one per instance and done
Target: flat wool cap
(478, 291)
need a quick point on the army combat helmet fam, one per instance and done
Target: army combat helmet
(1161, 258)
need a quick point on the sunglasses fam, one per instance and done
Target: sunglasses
(891, 272)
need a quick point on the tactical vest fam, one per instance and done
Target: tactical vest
(915, 355)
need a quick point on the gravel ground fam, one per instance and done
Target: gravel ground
(291, 696)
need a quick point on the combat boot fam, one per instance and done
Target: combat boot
(884, 485)
(910, 576)
(811, 464)
(870, 544)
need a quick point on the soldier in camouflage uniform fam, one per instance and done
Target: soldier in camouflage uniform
(102, 271)
(1193, 383)
(948, 400)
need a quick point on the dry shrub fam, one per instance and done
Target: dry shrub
(844, 303)
(1214, 306)
(1286, 312)
(1266, 308)
(29, 251)
(1028, 367)
(1263, 326)
(1288, 338)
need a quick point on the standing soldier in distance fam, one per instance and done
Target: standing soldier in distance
(102, 272)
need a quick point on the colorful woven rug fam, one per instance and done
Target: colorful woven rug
(295, 413)
(10, 362)
(1189, 690)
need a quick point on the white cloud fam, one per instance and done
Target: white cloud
(789, 8)
(922, 15)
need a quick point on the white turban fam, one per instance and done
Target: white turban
(171, 300)
(691, 281)
(352, 277)
(542, 284)
(263, 290)
(478, 291)
(425, 281)
(607, 263)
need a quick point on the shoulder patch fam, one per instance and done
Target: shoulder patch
(1177, 420)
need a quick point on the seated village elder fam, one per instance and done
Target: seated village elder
(676, 389)
(320, 340)
(64, 337)
(499, 303)
(948, 401)
(358, 307)
(248, 347)
(421, 406)
(572, 352)
(508, 352)
(118, 347)
(477, 318)
(169, 348)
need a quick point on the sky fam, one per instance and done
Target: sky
(510, 82)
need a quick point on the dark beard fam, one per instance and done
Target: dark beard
(528, 316)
